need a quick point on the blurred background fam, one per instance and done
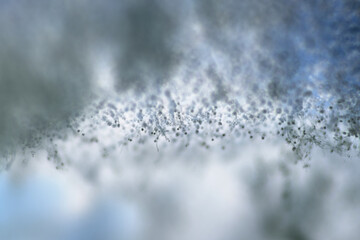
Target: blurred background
(179, 120)
(259, 193)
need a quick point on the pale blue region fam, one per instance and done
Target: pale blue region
(35, 197)
(29, 207)
(108, 220)
(32, 211)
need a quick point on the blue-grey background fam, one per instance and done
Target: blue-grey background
(69, 68)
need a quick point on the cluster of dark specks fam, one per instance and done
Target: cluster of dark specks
(182, 121)
(289, 75)
(163, 123)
